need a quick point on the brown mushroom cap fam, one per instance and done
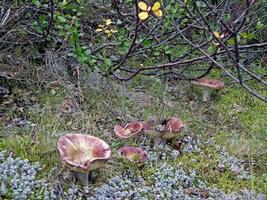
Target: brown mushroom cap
(171, 127)
(129, 130)
(133, 154)
(83, 153)
(213, 84)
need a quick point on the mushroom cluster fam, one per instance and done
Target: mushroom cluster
(84, 153)
(168, 129)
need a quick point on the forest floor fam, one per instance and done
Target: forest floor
(221, 154)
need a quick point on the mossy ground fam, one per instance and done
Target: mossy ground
(232, 119)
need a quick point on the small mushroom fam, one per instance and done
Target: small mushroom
(133, 154)
(131, 129)
(207, 85)
(168, 129)
(83, 153)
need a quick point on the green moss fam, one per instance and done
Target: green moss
(205, 166)
(203, 163)
(250, 112)
(147, 173)
(228, 182)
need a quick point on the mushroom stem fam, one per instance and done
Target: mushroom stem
(206, 94)
(158, 141)
(83, 177)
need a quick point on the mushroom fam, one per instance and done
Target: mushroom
(133, 154)
(208, 85)
(129, 130)
(168, 129)
(83, 153)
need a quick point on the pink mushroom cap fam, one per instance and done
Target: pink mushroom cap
(171, 127)
(129, 130)
(83, 153)
(174, 125)
(133, 154)
(205, 82)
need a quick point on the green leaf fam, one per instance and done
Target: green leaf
(248, 36)
(108, 61)
(231, 41)
(36, 2)
(59, 26)
(156, 53)
(146, 43)
(168, 52)
(259, 25)
(74, 34)
(166, 24)
(61, 18)
(168, 7)
(212, 49)
(42, 19)
(174, 10)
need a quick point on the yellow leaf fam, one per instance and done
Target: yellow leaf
(99, 30)
(113, 31)
(158, 13)
(108, 22)
(142, 6)
(107, 31)
(143, 15)
(101, 26)
(216, 34)
(156, 6)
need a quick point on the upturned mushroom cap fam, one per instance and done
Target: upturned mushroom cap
(129, 130)
(213, 84)
(167, 129)
(83, 153)
(133, 154)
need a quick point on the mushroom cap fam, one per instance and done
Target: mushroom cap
(129, 130)
(174, 125)
(205, 82)
(170, 128)
(83, 153)
(133, 154)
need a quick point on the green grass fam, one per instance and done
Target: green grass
(35, 148)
